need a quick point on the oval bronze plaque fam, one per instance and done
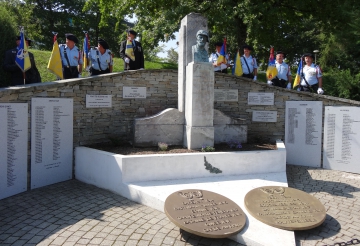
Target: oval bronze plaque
(204, 213)
(285, 208)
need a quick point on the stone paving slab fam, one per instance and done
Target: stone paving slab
(74, 213)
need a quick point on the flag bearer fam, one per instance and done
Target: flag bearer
(101, 59)
(131, 52)
(71, 57)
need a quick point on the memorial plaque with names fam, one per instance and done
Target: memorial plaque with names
(303, 132)
(285, 208)
(13, 148)
(204, 213)
(51, 140)
(98, 101)
(226, 95)
(257, 98)
(342, 138)
(134, 92)
(264, 116)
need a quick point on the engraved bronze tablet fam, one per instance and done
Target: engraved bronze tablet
(285, 208)
(204, 213)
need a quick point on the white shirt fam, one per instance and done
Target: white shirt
(251, 62)
(283, 70)
(311, 73)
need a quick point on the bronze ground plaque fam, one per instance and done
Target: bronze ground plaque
(285, 208)
(204, 213)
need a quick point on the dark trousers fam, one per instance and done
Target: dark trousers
(221, 71)
(312, 88)
(249, 75)
(279, 82)
(71, 72)
(97, 72)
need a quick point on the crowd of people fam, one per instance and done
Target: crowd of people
(310, 74)
(132, 54)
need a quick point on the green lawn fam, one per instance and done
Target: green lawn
(42, 59)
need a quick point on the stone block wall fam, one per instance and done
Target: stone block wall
(97, 125)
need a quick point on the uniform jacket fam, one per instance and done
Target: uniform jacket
(139, 56)
(31, 76)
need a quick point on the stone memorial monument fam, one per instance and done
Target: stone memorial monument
(195, 123)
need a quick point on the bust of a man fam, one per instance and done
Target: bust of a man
(198, 51)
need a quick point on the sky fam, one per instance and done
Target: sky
(169, 44)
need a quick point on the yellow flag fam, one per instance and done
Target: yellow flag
(129, 51)
(297, 77)
(237, 68)
(55, 65)
(271, 72)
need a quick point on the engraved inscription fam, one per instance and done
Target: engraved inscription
(285, 207)
(204, 213)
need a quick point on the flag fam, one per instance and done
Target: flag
(129, 51)
(222, 57)
(298, 73)
(271, 71)
(22, 57)
(55, 65)
(86, 48)
(237, 68)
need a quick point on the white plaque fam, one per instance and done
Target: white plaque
(51, 140)
(264, 116)
(342, 139)
(303, 129)
(134, 92)
(98, 101)
(13, 148)
(226, 95)
(258, 98)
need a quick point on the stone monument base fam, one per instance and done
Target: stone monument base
(197, 137)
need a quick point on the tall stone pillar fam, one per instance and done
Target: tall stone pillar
(199, 105)
(190, 24)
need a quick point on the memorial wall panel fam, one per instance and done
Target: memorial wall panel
(13, 148)
(51, 140)
(341, 149)
(303, 130)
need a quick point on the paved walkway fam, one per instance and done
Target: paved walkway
(74, 213)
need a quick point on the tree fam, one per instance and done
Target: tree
(7, 41)
(172, 56)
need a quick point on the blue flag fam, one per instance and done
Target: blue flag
(22, 56)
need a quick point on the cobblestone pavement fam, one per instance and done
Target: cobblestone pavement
(74, 213)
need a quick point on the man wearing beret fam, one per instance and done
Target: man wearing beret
(311, 76)
(32, 75)
(136, 62)
(101, 59)
(283, 77)
(248, 63)
(220, 68)
(71, 57)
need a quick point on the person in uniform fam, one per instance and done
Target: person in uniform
(101, 59)
(283, 77)
(129, 64)
(248, 63)
(199, 52)
(220, 68)
(71, 57)
(32, 75)
(311, 76)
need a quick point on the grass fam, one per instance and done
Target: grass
(42, 59)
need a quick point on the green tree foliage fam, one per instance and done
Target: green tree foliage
(8, 31)
(172, 56)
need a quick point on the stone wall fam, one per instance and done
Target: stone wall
(97, 125)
